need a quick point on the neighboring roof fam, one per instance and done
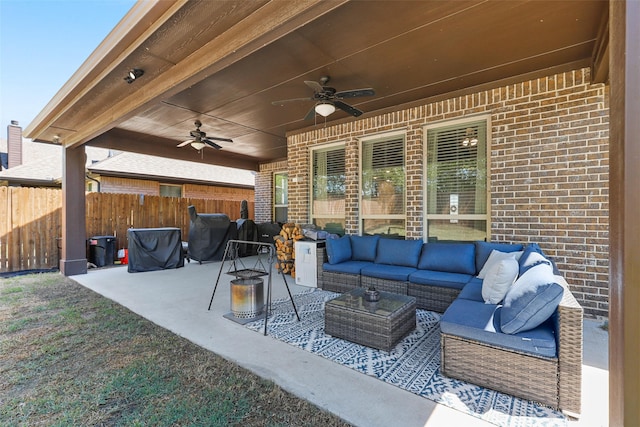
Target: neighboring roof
(161, 168)
(42, 165)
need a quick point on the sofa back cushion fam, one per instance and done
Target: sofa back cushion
(449, 257)
(399, 252)
(532, 299)
(339, 250)
(483, 250)
(364, 248)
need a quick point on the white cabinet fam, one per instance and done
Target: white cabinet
(306, 267)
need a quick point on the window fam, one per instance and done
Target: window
(280, 196)
(328, 188)
(456, 190)
(382, 186)
(167, 190)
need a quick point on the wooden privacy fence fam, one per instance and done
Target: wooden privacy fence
(31, 218)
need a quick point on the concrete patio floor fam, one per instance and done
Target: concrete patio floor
(178, 299)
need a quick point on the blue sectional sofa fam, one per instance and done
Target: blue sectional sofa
(509, 320)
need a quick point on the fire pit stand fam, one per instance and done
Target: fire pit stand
(247, 289)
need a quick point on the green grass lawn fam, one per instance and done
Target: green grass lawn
(70, 357)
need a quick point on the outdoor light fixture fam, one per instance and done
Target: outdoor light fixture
(470, 139)
(133, 74)
(325, 108)
(198, 145)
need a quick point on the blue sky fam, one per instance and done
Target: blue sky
(42, 43)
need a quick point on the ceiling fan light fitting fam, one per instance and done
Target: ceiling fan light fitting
(198, 145)
(325, 108)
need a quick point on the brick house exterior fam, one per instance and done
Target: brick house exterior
(110, 184)
(547, 164)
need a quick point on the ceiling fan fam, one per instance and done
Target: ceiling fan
(199, 139)
(327, 99)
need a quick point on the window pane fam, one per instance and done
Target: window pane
(457, 182)
(456, 170)
(170, 190)
(462, 230)
(328, 189)
(391, 227)
(383, 177)
(332, 225)
(280, 193)
(280, 214)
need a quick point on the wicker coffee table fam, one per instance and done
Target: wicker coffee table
(380, 324)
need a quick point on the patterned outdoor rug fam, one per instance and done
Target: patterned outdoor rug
(413, 365)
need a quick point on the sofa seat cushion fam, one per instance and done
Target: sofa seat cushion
(483, 250)
(364, 248)
(478, 321)
(387, 272)
(472, 290)
(440, 278)
(448, 257)
(399, 252)
(347, 267)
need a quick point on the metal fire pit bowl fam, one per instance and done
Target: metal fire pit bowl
(247, 297)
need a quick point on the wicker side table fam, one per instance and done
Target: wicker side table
(380, 324)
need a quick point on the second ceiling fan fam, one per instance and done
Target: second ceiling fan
(327, 99)
(199, 139)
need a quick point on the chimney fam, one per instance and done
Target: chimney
(14, 144)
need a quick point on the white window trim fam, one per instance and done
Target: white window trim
(373, 138)
(275, 205)
(456, 122)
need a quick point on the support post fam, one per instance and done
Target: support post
(74, 240)
(624, 211)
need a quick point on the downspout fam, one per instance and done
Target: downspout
(93, 179)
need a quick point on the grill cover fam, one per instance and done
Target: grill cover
(153, 249)
(208, 235)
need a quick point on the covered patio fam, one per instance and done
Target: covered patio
(224, 63)
(177, 299)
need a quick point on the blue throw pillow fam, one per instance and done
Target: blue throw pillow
(531, 300)
(449, 257)
(399, 252)
(483, 250)
(363, 248)
(339, 250)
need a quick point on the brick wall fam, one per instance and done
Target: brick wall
(195, 191)
(548, 170)
(110, 184)
(264, 190)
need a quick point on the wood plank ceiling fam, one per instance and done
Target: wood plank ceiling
(224, 62)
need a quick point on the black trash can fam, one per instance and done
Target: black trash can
(102, 250)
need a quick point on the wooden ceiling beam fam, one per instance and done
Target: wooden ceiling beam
(272, 21)
(133, 142)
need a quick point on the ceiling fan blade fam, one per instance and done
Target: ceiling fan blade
(220, 139)
(311, 114)
(355, 93)
(317, 87)
(348, 108)
(211, 144)
(182, 144)
(285, 101)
